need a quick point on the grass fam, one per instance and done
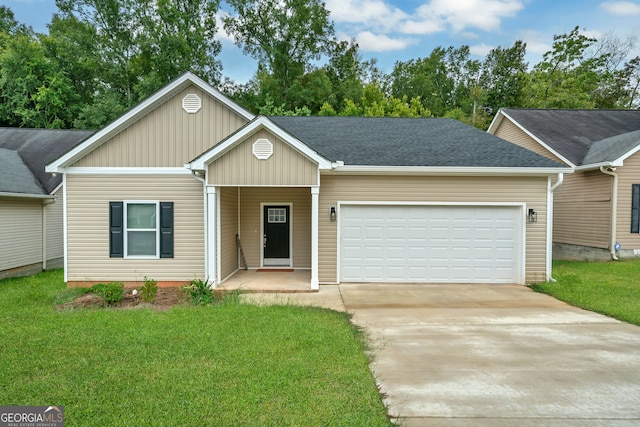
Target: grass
(611, 288)
(228, 364)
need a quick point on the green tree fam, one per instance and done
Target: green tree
(504, 72)
(285, 36)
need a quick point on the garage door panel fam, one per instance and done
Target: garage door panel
(443, 244)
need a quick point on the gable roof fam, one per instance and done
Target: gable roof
(572, 133)
(260, 122)
(420, 142)
(139, 111)
(25, 152)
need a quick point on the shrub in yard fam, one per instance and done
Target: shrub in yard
(149, 290)
(200, 292)
(112, 292)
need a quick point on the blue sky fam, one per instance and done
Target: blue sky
(399, 30)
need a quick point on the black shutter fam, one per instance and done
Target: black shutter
(635, 208)
(116, 238)
(166, 229)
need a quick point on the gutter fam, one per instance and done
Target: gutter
(552, 188)
(614, 209)
(28, 196)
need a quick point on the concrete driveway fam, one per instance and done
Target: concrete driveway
(475, 355)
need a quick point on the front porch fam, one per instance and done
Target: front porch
(269, 281)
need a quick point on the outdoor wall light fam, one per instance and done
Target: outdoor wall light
(332, 213)
(533, 215)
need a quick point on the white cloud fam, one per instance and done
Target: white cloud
(374, 14)
(370, 42)
(221, 34)
(537, 43)
(422, 27)
(481, 49)
(623, 8)
(461, 14)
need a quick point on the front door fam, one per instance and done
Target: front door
(276, 250)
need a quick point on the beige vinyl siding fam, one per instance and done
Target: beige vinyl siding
(20, 232)
(228, 231)
(286, 166)
(55, 227)
(168, 136)
(627, 175)
(250, 227)
(343, 188)
(512, 133)
(582, 210)
(88, 198)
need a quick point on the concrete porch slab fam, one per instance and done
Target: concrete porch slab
(269, 281)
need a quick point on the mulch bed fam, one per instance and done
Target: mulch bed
(165, 298)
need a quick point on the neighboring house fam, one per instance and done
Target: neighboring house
(596, 209)
(164, 190)
(31, 237)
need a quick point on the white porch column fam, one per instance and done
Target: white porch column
(315, 283)
(211, 252)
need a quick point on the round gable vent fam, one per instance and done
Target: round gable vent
(262, 149)
(191, 103)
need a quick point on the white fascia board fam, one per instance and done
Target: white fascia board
(139, 111)
(26, 195)
(594, 166)
(125, 171)
(201, 162)
(449, 170)
(495, 123)
(538, 140)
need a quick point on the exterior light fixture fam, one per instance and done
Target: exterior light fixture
(533, 215)
(332, 213)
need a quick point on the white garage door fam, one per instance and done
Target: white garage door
(436, 244)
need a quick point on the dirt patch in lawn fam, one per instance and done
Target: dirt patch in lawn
(165, 298)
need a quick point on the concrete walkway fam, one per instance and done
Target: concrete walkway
(475, 355)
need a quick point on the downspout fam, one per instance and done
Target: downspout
(44, 231)
(614, 209)
(550, 224)
(195, 174)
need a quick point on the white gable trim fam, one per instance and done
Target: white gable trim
(260, 122)
(138, 112)
(496, 122)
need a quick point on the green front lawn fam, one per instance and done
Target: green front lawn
(611, 288)
(229, 364)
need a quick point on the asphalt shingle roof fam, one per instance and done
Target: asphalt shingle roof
(35, 148)
(572, 132)
(383, 141)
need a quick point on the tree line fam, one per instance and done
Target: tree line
(100, 58)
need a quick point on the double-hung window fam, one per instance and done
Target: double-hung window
(141, 236)
(141, 229)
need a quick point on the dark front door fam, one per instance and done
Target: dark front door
(275, 241)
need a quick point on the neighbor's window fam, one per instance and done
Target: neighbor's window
(141, 229)
(635, 208)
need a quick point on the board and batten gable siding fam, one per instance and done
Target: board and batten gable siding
(512, 133)
(582, 210)
(88, 198)
(55, 227)
(411, 189)
(250, 216)
(628, 175)
(168, 136)
(20, 232)
(286, 166)
(228, 231)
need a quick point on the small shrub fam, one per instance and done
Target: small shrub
(149, 290)
(112, 292)
(200, 292)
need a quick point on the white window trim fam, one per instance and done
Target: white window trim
(126, 230)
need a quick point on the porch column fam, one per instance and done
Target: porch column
(211, 245)
(315, 283)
